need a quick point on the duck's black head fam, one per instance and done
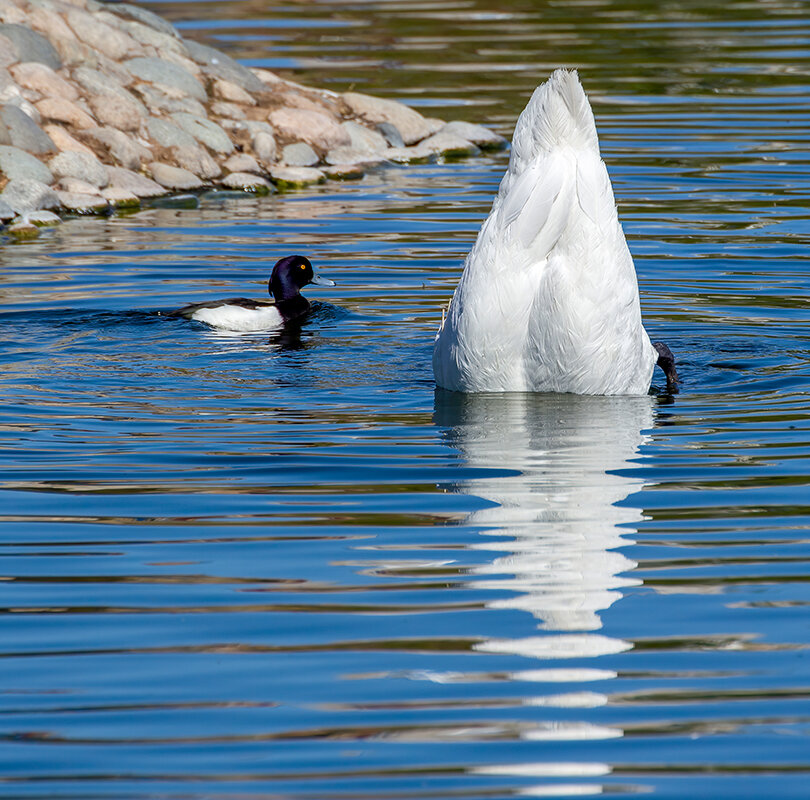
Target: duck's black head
(290, 275)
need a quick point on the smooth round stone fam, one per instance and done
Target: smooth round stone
(196, 159)
(242, 162)
(220, 108)
(24, 132)
(299, 154)
(313, 127)
(118, 111)
(411, 125)
(34, 46)
(61, 109)
(344, 172)
(43, 218)
(25, 194)
(349, 155)
(477, 134)
(97, 34)
(72, 164)
(122, 148)
(264, 146)
(41, 78)
(232, 93)
(23, 230)
(247, 182)
(296, 177)
(364, 139)
(162, 72)
(80, 203)
(410, 155)
(77, 186)
(449, 145)
(64, 141)
(120, 198)
(167, 134)
(16, 163)
(134, 182)
(204, 131)
(219, 65)
(175, 178)
(391, 134)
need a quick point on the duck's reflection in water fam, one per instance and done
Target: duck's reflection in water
(559, 522)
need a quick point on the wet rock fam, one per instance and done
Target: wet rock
(391, 134)
(197, 160)
(122, 148)
(477, 134)
(175, 178)
(133, 182)
(363, 139)
(43, 218)
(411, 125)
(64, 141)
(205, 131)
(104, 38)
(344, 172)
(25, 194)
(449, 145)
(63, 110)
(72, 164)
(410, 155)
(8, 52)
(167, 134)
(232, 93)
(158, 101)
(146, 18)
(242, 162)
(296, 177)
(16, 163)
(23, 230)
(264, 146)
(219, 65)
(80, 203)
(299, 154)
(120, 198)
(34, 46)
(247, 182)
(23, 132)
(313, 127)
(162, 72)
(222, 109)
(41, 78)
(349, 155)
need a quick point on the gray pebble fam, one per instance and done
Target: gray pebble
(203, 130)
(166, 73)
(25, 195)
(73, 164)
(16, 163)
(364, 139)
(242, 162)
(196, 159)
(133, 182)
(167, 134)
(80, 203)
(121, 148)
(24, 132)
(264, 146)
(35, 46)
(391, 134)
(174, 177)
(299, 154)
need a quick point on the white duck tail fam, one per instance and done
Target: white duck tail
(548, 300)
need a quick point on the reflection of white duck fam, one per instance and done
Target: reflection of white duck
(548, 300)
(559, 511)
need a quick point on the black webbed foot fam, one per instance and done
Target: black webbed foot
(667, 363)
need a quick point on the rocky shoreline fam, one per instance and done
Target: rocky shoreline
(105, 105)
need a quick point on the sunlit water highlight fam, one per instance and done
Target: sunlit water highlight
(282, 565)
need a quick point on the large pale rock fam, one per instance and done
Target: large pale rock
(134, 182)
(23, 132)
(57, 31)
(162, 72)
(166, 134)
(220, 108)
(410, 155)
(77, 186)
(264, 146)
(232, 93)
(349, 155)
(158, 101)
(41, 78)
(196, 159)
(219, 65)
(118, 111)
(175, 178)
(110, 41)
(363, 139)
(315, 128)
(120, 147)
(31, 45)
(6, 211)
(146, 18)
(26, 194)
(9, 54)
(449, 145)
(81, 203)
(299, 154)
(477, 134)
(205, 131)
(242, 162)
(247, 182)
(296, 177)
(16, 163)
(73, 164)
(63, 110)
(120, 198)
(64, 141)
(410, 123)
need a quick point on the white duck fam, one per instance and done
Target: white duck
(548, 300)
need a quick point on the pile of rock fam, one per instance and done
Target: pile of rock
(103, 105)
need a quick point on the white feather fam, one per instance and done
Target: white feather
(238, 318)
(548, 299)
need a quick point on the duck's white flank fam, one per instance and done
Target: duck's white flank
(548, 300)
(238, 318)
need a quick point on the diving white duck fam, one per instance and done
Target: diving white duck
(548, 299)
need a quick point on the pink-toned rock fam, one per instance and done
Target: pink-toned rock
(175, 178)
(242, 162)
(118, 111)
(41, 78)
(231, 93)
(8, 52)
(134, 182)
(121, 147)
(411, 124)
(227, 110)
(63, 110)
(77, 186)
(313, 127)
(64, 141)
(59, 34)
(110, 41)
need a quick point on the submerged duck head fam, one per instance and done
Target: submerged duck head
(290, 275)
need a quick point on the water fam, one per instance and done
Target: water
(282, 566)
